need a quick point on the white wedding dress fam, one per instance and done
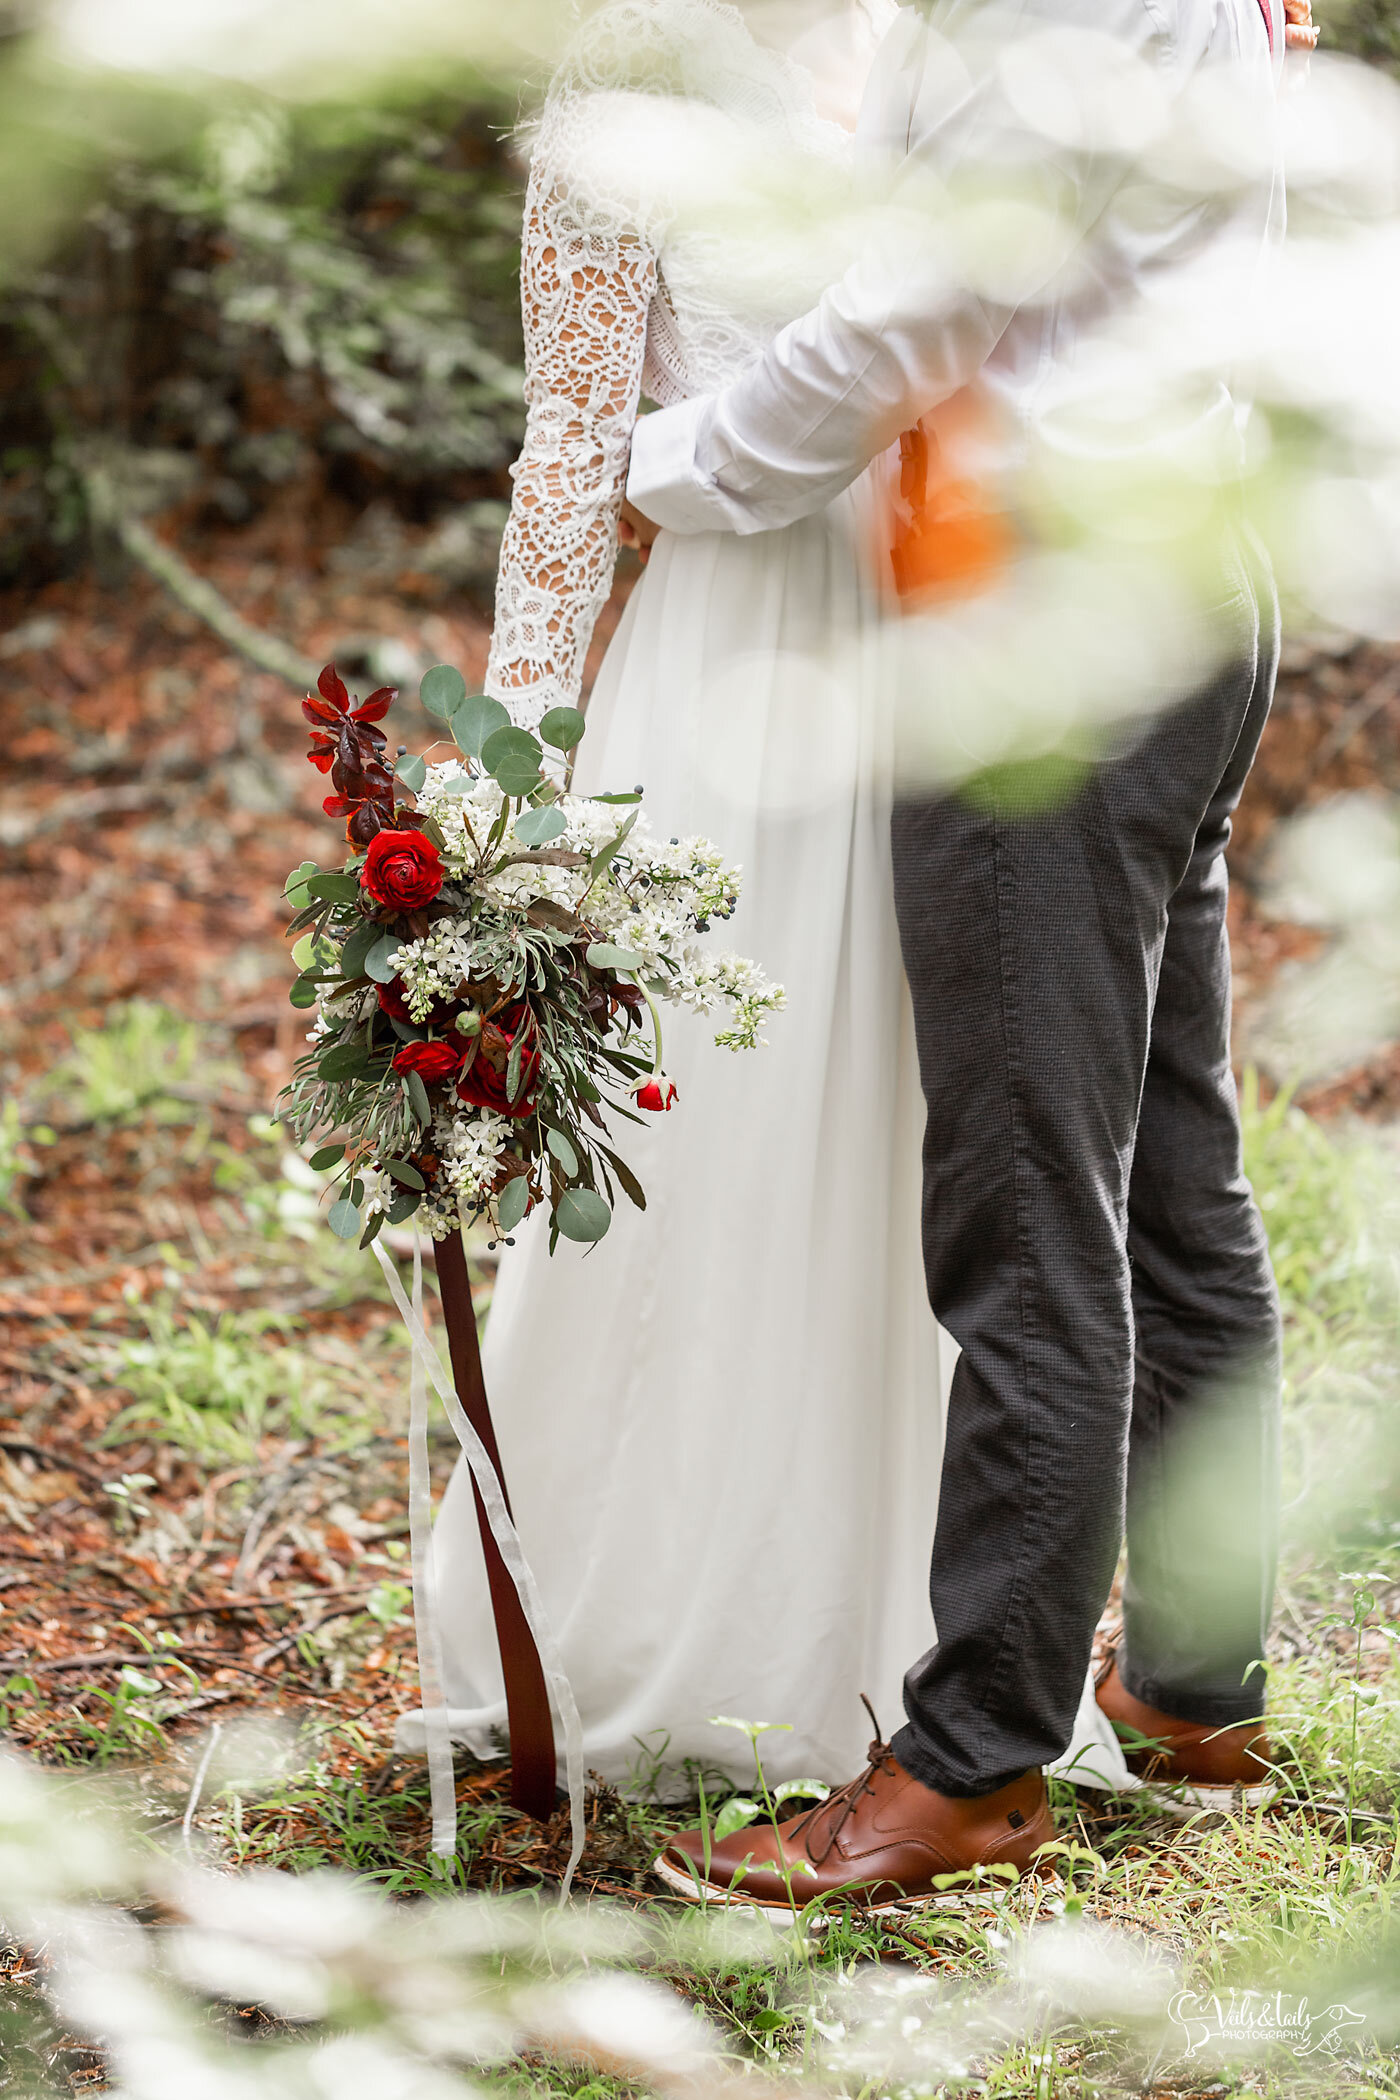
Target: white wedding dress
(722, 1428)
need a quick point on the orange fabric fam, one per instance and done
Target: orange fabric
(949, 540)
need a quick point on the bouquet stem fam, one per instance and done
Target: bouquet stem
(532, 1756)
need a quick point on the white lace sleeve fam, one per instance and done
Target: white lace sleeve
(587, 281)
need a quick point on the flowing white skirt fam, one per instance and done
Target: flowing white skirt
(722, 1427)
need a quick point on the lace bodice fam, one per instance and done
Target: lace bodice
(665, 287)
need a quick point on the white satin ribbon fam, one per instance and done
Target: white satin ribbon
(426, 1618)
(426, 1366)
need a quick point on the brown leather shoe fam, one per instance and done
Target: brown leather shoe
(881, 1839)
(1185, 1751)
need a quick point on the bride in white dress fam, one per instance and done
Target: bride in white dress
(723, 1428)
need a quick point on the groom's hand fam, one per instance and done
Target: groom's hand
(635, 530)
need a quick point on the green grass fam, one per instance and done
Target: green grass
(144, 1062)
(215, 1387)
(1331, 1204)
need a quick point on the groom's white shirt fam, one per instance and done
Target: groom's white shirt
(905, 329)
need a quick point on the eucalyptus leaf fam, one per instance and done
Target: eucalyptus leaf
(344, 1219)
(346, 1061)
(328, 1156)
(606, 955)
(412, 771)
(303, 992)
(581, 1214)
(512, 1203)
(634, 796)
(309, 915)
(513, 757)
(443, 689)
(517, 778)
(403, 1204)
(476, 719)
(373, 1229)
(334, 888)
(562, 728)
(418, 1098)
(296, 891)
(536, 827)
(604, 859)
(628, 1181)
(563, 1151)
(377, 964)
(510, 742)
(353, 954)
(407, 1176)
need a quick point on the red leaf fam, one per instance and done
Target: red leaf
(332, 687)
(377, 706)
(321, 760)
(337, 806)
(318, 711)
(364, 825)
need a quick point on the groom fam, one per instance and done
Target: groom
(1089, 1237)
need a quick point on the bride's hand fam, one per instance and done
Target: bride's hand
(635, 530)
(1299, 32)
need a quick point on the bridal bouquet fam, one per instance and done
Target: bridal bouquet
(486, 968)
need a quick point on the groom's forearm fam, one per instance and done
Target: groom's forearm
(830, 394)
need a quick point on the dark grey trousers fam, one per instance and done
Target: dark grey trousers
(1091, 1242)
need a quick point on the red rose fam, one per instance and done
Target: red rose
(657, 1094)
(431, 1061)
(402, 870)
(393, 1001)
(485, 1084)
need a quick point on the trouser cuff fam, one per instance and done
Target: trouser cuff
(912, 1754)
(1219, 1709)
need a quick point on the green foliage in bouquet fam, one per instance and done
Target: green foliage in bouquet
(486, 969)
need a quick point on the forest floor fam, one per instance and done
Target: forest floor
(202, 1414)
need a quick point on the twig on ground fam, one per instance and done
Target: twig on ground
(187, 588)
(116, 1660)
(56, 1459)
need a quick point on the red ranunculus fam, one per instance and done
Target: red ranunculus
(402, 870)
(485, 1084)
(431, 1061)
(393, 1001)
(657, 1094)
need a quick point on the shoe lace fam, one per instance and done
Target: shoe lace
(844, 1799)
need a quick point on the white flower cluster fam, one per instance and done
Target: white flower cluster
(656, 897)
(469, 1147)
(433, 967)
(739, 983)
